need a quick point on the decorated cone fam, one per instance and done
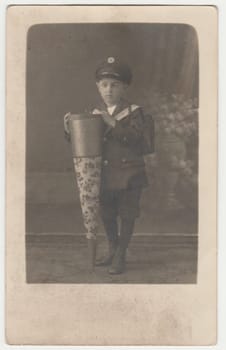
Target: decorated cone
(86, 132)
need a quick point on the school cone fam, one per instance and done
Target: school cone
(85, 133)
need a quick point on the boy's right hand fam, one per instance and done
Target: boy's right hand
(108, 119)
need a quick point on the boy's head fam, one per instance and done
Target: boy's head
(112, 79)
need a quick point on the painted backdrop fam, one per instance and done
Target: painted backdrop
(61, 63)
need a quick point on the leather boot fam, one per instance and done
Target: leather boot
(119, 262)
(107, 260)
(92, 248)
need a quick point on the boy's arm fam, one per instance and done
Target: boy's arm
(130, 132)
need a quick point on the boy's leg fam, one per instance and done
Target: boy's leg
(129, 210)
(108, 205)
(127, 229)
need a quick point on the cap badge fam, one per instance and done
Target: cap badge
(111, 60)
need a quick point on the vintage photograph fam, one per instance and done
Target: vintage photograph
(112, 153)
(111, 169)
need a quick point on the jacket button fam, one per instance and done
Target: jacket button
(123, 160)
(124, 139)
(105, 162)
(104, 139)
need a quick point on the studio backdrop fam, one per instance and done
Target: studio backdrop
(60, 78)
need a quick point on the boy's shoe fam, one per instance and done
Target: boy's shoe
(107, 260)
(119, 262)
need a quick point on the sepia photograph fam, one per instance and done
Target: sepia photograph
(112, 153)
(111, 167)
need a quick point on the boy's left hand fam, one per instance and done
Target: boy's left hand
(109, 120)
(66, 122)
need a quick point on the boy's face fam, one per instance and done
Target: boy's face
(111, 90)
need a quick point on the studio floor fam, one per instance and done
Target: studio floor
(151, 259)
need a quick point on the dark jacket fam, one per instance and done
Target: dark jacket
(122, 159)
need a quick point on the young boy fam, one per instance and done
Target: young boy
(123, 170)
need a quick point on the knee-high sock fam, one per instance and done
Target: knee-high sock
(127, 228)
(111, 229)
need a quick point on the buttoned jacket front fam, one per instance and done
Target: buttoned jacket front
(122, 159)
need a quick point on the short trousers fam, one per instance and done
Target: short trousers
(88, 172)
(123, 203)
